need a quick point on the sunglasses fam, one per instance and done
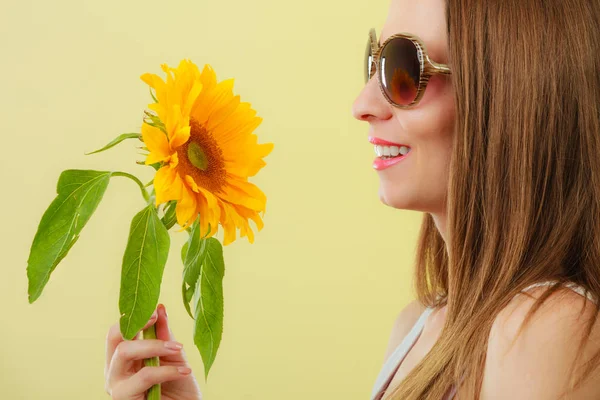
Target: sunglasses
(403, 67)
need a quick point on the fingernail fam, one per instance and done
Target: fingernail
(173, 345)
(184, 370)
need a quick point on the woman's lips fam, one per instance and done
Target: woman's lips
(381, 163)
(381, 142)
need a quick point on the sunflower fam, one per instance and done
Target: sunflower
(206, 149)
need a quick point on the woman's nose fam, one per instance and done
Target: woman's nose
(370, 103)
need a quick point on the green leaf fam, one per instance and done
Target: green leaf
(156, 166)
(207, 231)
(79, 193)
(143, 266)
(170, 217)
(116, 141)
(153, 96)
(208, 299)
(184, 251)
(153, 120)
(192, 254)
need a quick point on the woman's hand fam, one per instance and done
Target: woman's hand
(126, 377)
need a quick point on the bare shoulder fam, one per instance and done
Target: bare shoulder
(535, 363)
(403, 323)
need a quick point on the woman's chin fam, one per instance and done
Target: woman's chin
(394, 199)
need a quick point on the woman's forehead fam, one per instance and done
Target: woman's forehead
(424, 18)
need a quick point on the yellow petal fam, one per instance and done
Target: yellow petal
(159, 109)
(174, 161)
(247, 163)
(245, 229)
(229, 230)
(208, 77)
(212, 99)
(186, 208)
(211, 199)
(180, 136)
(167, 185)
(249, 214)
(192, 184)
(242, 223)
(207, 216)
(190, 99)
(262, 150)
(208, 202)
(221, 95)
(203, 215)
(155, 82)
(237, 130)
(157, 144)
(221, 115)
(178, 126)
(244, 193)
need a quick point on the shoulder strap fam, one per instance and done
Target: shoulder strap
(394, 360)
(571, 285)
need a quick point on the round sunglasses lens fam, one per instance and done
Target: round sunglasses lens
(368, 61)
(401, 70)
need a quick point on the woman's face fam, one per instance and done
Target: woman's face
(419, 181)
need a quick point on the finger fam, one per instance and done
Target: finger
(162, 324)
(163, 332)
(114, 337)
(146, 377)
(131, 350)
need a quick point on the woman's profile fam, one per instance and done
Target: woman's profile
(485, 117)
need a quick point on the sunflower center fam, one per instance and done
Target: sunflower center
(202, 159)
(197, 156)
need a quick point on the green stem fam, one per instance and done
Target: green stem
(154, 392)
(136, 180)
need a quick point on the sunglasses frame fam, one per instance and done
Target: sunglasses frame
(428, 67)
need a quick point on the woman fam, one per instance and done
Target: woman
(501, 154)
(503, 159)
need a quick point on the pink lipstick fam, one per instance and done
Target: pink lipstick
(388, 153)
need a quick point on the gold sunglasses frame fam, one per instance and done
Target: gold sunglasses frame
(428, 67)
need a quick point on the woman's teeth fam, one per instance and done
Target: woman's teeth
(391, 151)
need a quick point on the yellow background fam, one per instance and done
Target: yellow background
(310, 305)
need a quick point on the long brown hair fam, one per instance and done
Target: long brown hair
(523, 202)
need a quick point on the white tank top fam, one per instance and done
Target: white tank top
(387, 372)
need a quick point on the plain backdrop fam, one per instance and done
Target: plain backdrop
(310, 305)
